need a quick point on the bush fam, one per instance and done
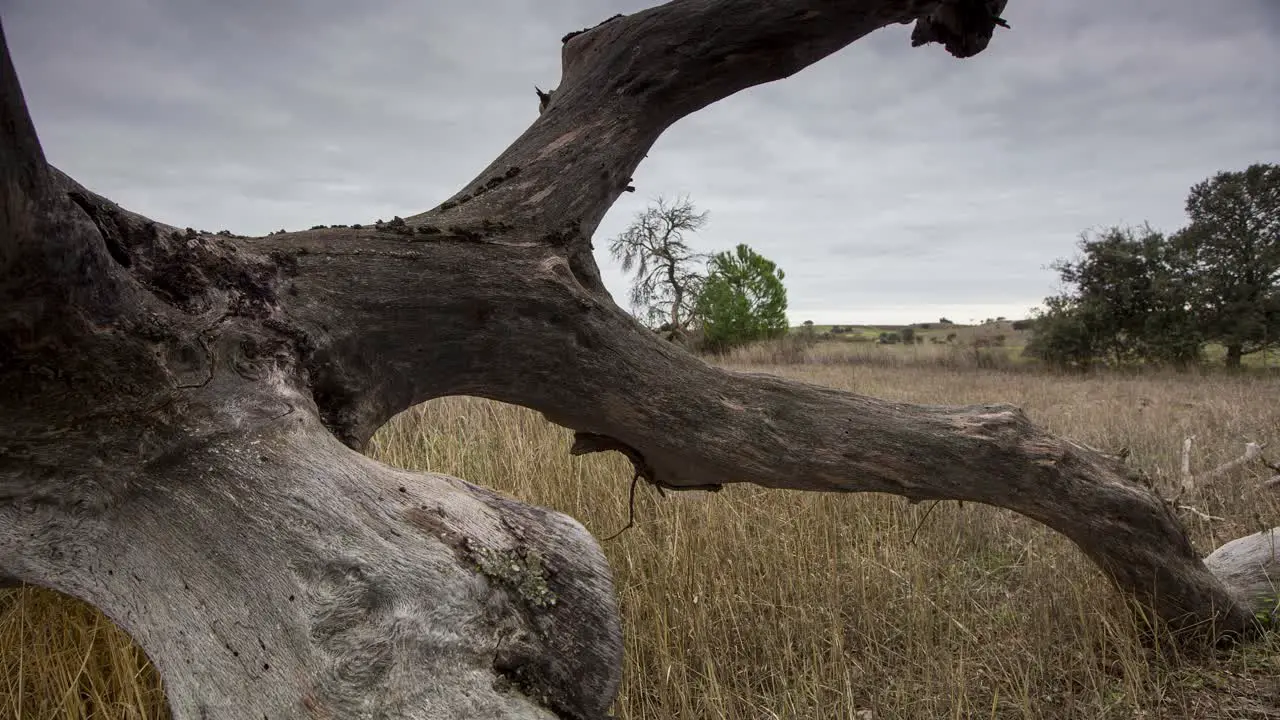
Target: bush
(1061, 337)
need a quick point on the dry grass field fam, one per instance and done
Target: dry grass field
(752, 604)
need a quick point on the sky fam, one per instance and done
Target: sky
(892, 184)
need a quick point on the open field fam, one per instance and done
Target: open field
(752, 604)
(1009, 341)
(959, 334)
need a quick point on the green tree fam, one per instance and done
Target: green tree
(742, 300)
(666, 278)
(1127, 300)
(1233, 246)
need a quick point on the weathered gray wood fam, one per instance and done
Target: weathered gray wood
(183, 412)
(1250, 566)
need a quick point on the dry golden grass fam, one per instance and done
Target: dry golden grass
(62, 659)
(753, 604)
(795, 350)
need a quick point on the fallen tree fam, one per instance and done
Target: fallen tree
(184, 413)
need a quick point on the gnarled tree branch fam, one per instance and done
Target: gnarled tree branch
(182, 410)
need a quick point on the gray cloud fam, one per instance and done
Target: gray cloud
(890, 183)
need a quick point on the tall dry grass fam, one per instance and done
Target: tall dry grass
(753, 604)
(797, 350)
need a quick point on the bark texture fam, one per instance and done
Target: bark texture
(184, 413)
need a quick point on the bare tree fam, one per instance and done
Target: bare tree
(184, 413)
(666, 281)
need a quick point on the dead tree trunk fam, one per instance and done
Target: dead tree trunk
(184, 413)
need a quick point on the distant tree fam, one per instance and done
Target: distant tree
(742, 300)
(666, 278)
(1233, 246)
(1127, 300)
(908, 335)
(1022, 324)
(944, 321)
(889, 338)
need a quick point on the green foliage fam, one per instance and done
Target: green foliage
(1138, 296)
(742, 300)
(1232, 246)
(1128, 303)
(908, 335)
(889, 338)
(1061, 336)
(665, 282)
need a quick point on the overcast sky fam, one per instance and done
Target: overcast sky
(892, 184)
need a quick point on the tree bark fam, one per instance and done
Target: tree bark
(184, 412)
(1235, 355)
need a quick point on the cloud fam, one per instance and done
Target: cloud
(891, 183)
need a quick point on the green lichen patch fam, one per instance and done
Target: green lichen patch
(519, 570)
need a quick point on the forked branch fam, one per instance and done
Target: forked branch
(155, 380)
(1192, 482)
